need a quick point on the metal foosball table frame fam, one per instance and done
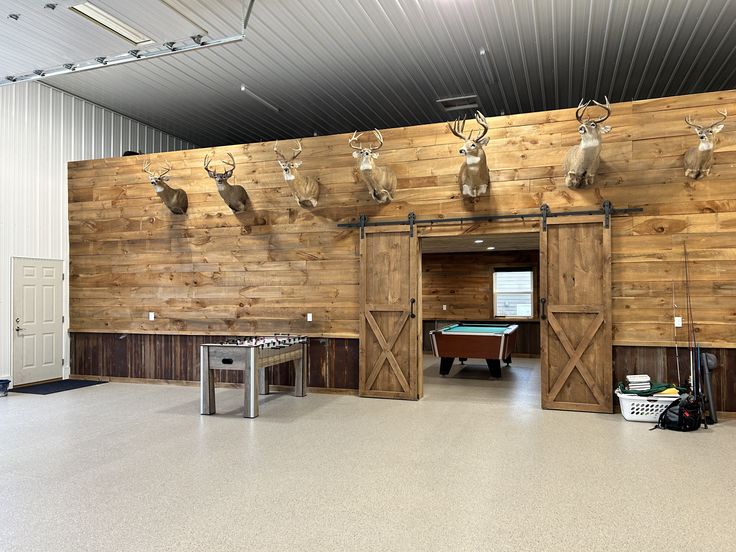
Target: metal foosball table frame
(252, 356)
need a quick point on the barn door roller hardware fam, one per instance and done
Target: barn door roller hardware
(544, 213)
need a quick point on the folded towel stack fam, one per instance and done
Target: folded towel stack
(638, 382)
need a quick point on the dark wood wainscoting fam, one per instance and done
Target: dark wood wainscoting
(333, 363)
(661, 365)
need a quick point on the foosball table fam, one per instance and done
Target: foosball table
(252, 355)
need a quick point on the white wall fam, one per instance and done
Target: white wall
(41, 129)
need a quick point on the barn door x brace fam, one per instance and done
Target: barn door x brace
(544, 213)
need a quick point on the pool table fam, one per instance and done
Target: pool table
(493, 342)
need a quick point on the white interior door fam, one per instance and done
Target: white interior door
(37, 320)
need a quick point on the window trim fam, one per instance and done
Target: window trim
(515, 268)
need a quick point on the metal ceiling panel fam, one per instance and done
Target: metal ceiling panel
(42, 37)
(333, 66)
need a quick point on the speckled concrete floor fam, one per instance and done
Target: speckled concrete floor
(475, 465)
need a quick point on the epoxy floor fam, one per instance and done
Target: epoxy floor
(475, 465)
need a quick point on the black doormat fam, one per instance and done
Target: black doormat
(55, 387)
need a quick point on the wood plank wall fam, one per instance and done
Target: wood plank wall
(212, 272)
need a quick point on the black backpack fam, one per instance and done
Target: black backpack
(684, 414)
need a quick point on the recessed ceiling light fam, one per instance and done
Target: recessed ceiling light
(111, 23)
(491, 248)
(478, 241)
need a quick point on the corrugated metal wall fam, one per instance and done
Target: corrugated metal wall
(41, 129)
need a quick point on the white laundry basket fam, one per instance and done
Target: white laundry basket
(643, 409)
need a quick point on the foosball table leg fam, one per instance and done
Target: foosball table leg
(206, 386)
(300, 366)
(250, 379)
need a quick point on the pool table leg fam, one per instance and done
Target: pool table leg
(494, 365)
(507, 360)
(445, 365)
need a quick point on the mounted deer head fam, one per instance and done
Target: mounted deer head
(474, 178)
(175, 199)
(234, 195)
(304, 188)
(381, 181)
(581, 161)
(699, 159)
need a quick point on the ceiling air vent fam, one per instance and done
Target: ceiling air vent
(459, 103)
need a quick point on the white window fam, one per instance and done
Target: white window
(513, 293)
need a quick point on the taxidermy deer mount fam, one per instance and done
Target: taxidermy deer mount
(381, 181)
(699, 159)
(581, 161)
(175, 199)
(304, 188)
(474, 178)
(234, 195)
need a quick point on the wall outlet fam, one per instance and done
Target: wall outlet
(678, 321)
(309, 317)
(444, 307)
(151, 315)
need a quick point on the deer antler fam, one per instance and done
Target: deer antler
(354, 139)
(379, 137)
(212, 173)
(278, 153)
(606, 107)
(482, 122)
(458, 128)
(689, 122)
(723, 115)
(582, 106)
(166, 170)
(231, 164)
(146, 166)
(297, 150)
(155, 175)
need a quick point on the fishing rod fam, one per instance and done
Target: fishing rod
(692, 342)
(674, 333)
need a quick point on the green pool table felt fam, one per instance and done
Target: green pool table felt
(477, 328)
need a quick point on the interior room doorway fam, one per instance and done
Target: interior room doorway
(487, 285)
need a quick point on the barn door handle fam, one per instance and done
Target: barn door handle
(543, 309)
(411, 308)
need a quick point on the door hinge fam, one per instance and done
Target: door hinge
(62, 318)
(62, 362)
(63, 276)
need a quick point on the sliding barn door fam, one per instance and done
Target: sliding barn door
(390, 320)
(575, 307)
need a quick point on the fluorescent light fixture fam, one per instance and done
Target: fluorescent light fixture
(256, 97)
(478, 241)
(491, 248)
(111, 23)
